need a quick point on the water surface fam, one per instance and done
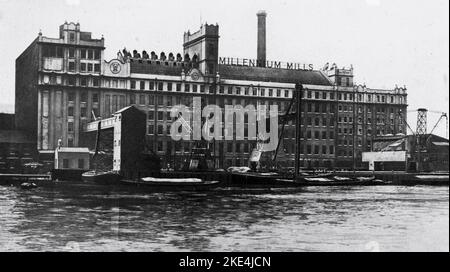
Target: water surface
(379, 218)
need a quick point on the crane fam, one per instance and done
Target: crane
(421, 138)
(442, 115)
(200, 157)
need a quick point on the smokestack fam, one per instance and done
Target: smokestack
(261, 54)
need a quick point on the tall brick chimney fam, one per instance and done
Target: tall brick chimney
(261, 54)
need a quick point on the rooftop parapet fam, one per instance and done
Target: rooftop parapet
(205, 30)
(69, 27)
(69, 33)
(333, 69)
(153, 58)
(93, 42)
(396, 90)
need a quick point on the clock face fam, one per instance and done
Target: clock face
(115, 67)
(195, 76)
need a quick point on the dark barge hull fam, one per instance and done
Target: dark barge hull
(259, 180)
(103, 178)
(67, 174)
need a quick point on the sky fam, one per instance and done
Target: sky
(388, 42)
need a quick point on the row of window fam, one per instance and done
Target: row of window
(88, 54)
(255, 91)
(317, 149)
(318, 135)
(83, 113)
(170, 147)
(163, 115)
(345, 130)
(343, 81)
(199, 88)
(319, 121)
(330, 108)
(345, 142)
(165, 130)
(319, 107)
(56, 51)
(72, 81)
(114, 83)
(85, 67)
(345, 153)
(169, 86)
(185, 146)
(324, 95)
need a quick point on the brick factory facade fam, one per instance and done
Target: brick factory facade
(62, 82)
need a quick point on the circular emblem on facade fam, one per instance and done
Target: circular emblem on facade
(195, 76)
(115, 67)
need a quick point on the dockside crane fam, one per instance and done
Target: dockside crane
(420, 134)
(443, 115)
(292, 114)
(200, 156)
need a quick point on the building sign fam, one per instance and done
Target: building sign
(343, 72)
(55, 64)
(267, 64)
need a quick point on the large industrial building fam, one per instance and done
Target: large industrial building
(63, 83)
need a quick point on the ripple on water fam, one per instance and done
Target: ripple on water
(391, 218)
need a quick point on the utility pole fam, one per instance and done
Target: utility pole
(298, 95)
(354, 129)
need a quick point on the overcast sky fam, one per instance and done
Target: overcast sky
(388, 42)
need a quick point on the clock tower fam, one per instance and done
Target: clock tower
(203, 48)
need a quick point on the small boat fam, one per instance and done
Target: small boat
(380, 182)
(337, 178)
(318, 179)
(317, 175)
(338, 181)
(236, 169)
(366, 179)
(432, 177)
(172, 184)
(28, 185)
(101, 177)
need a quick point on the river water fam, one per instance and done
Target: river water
(83, 218)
